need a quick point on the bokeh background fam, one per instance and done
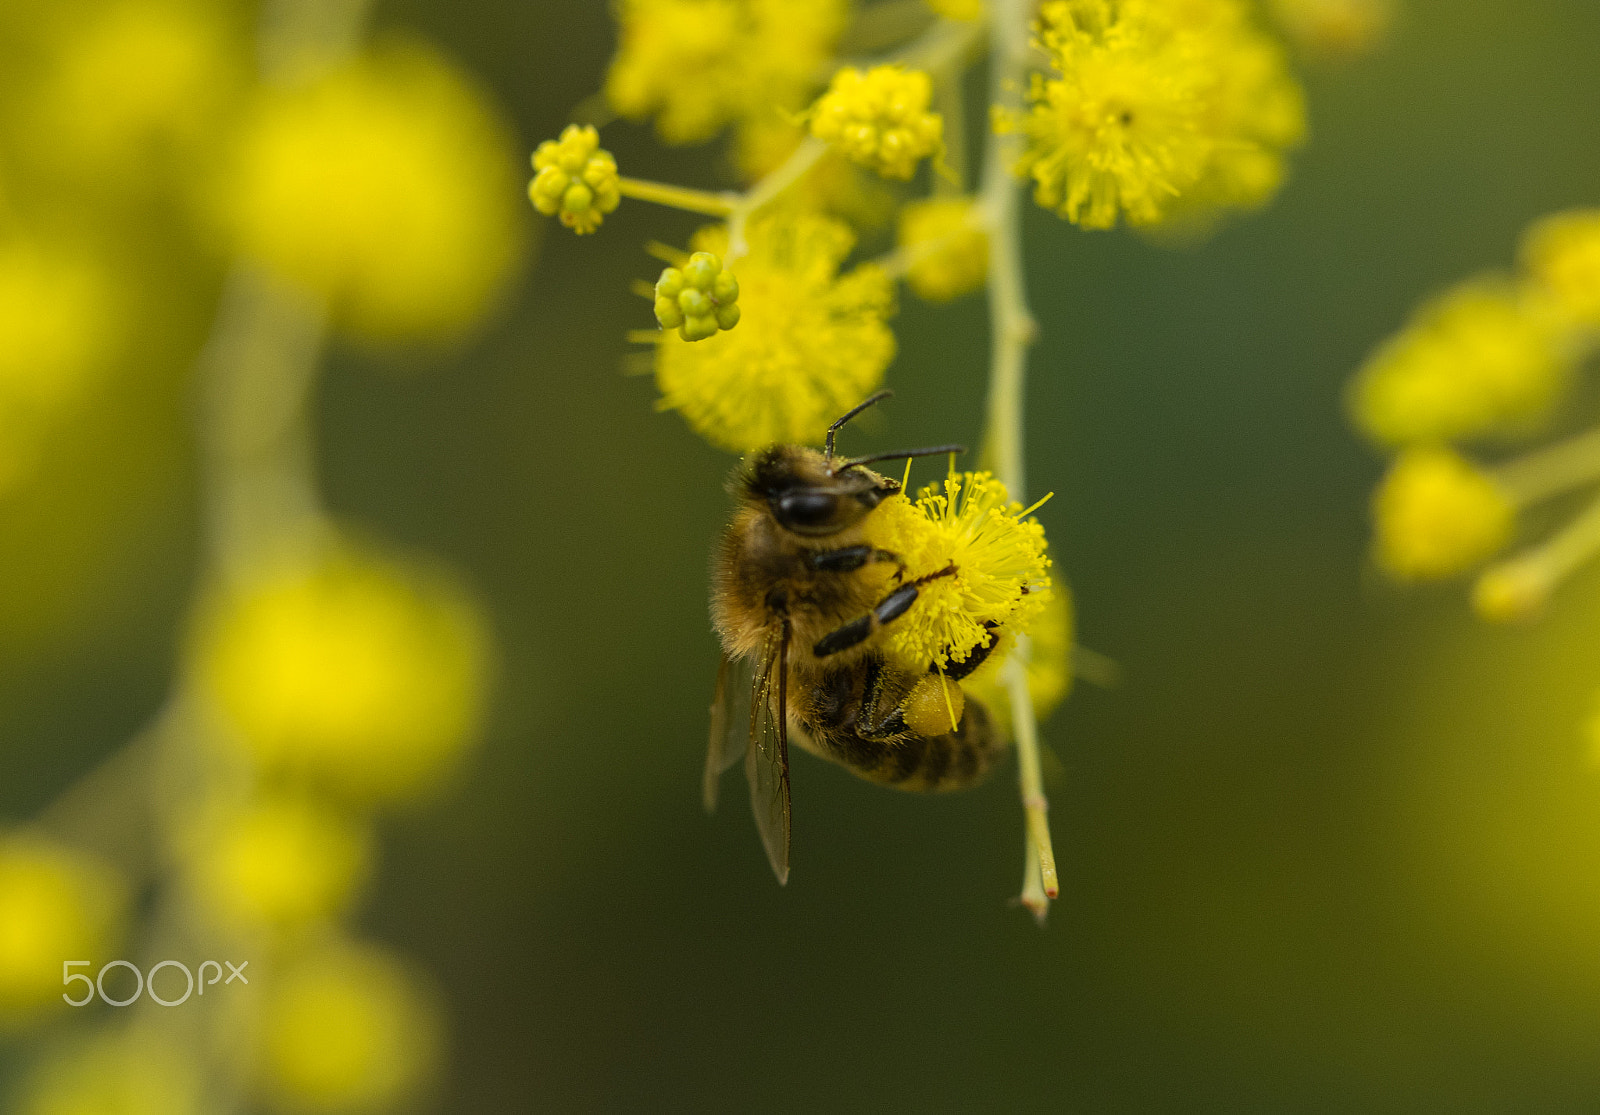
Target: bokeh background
(1326, 847)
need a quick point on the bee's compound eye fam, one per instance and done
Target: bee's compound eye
(807, 509)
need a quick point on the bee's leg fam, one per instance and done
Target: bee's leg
(956, 671)
(886, 721)
(880, 719)
(846, 559)
(889, 609)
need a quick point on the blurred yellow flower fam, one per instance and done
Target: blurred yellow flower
(56, 904)
(698, 65)
(139, 84)
(1252, 112)
(58, 318)
(946, 247)
(1561, 253)
(998, 572)
(575, 179)
(347, 1029)
(384, 186)
(1475, 360)
(281, 861)
(1335, 28)
(1049, 663)
(1150, 102)
(1437, 515)
(810, 343)
(352, 671)
(879, 118)
(137, 1071)
(1515, 591)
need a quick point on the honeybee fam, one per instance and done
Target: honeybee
(799, 597)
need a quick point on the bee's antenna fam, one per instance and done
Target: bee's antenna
(851, 413)
(931, 451)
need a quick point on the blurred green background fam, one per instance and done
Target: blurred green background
(1327, 847)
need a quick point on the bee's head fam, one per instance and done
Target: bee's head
(808, 494)
(817, 494)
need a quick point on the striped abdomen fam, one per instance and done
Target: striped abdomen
(837, 715)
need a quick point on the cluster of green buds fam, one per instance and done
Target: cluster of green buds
(576, 179)
(698, 299)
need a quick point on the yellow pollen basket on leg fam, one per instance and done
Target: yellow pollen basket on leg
(934, 706)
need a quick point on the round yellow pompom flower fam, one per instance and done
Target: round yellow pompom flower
(1437, 515)
(1251, 111)
(347, 1028)
(880, 118)
(1562, 255)
(810, 343)
(698, 65)
(55, 905)
(946, 247)
(385, 187)
(1475, 360)
(576, 180)
(1154, 110)
(280, 862)
(981, 562)
(358, 673)
(1115, 131)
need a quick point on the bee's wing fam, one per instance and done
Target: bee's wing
(766, 760)
(730, 722)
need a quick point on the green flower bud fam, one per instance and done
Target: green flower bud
(670, 285)
(667, 313)
(702, 270)
(695, 303)
(577, 199)
(575, 180)
(698, 328)
(697, 299)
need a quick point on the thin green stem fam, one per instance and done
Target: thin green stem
(1552, 470)
(897, 262)
(946, 43)
(257, 375)
(712, 204)
(883, 25)
(1012, 330)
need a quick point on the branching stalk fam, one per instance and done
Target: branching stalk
(764, 192)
